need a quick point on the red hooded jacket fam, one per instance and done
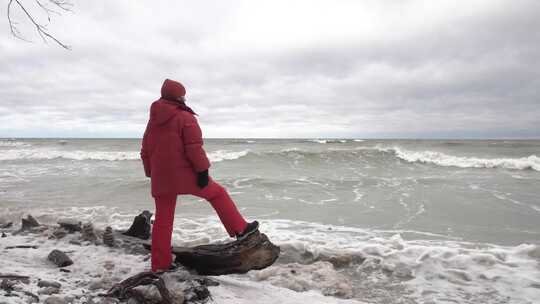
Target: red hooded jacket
(172, 147)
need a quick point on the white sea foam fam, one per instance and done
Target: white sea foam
(221, 155)
(92, 263)
(100, 266)
(239, 290)
(320, 276)
(429, 270)
(44, 153)
(380, 266)
(424, 270)
(329, 141)
(446, 160)
(13, 143)
(48, 153)
(293, 149)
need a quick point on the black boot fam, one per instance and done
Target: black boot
(250, 229)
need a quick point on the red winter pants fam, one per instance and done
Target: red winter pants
(164, 217)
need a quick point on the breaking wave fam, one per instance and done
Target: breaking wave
(80, 155)
(13, 143)
(328, 141)
(74, 155)
(221, 155)
(346, 262)
(531, 162)
(20, 150)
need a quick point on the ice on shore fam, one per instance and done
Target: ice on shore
(97, 268)
(317, 276)
(380, 267)
(235, 290)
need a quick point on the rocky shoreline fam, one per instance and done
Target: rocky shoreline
(180, 286)
(104, 265)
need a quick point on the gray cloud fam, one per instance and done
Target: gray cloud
(353, 69)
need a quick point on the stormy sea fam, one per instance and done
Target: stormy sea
(358, 221)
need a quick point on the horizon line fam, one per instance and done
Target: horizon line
(322, 138)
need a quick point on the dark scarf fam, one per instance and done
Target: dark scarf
(182, 106)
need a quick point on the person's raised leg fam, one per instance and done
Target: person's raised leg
(224, 206)
(162, 232)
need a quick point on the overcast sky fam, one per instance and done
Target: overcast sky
(462, 69)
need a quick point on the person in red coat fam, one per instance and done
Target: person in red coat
(173, 157)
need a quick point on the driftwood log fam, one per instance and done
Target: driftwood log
(252, 253)
(70, 225)
(173, 287)
(125, 289)
(22, 246)
(14, 277)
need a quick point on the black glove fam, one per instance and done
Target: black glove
(202, 179)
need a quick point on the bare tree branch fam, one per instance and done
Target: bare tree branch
(12, 24)
(58, 6)
(62, 5)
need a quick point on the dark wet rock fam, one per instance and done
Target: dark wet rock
(7, 285)
(88, 233)
(108, 237)
(4, 235)
(197, 294)
(44, 283)
(131, 245)
(59, 233)
(341, 261)
(106, 301)
(28, 223)
(39, 229)
(6, 225)
(59, 258)
(134, 301)
(49, 291)
(70, 225)
(55, 300)
(206, 281)
(141, 226)
(32, 298)
(98, 284)
(75, 242)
